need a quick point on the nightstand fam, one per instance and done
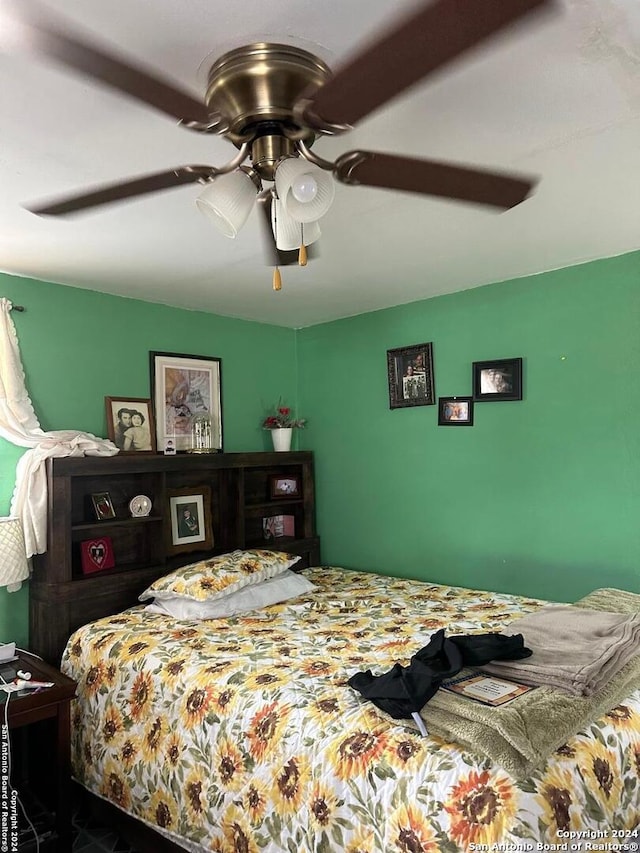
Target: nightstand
(41, 753)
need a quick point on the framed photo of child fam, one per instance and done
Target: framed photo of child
(189, 510)
(130, 424)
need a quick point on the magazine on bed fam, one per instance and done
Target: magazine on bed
(486, 688)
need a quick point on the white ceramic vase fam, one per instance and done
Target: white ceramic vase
(282, 438)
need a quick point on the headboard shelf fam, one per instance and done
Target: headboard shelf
(63, 597)
(98, 527)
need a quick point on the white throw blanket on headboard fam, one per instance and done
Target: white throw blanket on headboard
(19, 425)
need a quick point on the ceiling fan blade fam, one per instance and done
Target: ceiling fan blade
(431, 177)
(440, 31)
(34, 30)
(123, 190)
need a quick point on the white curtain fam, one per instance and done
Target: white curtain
(19, 425)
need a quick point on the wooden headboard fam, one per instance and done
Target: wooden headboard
(63, 597)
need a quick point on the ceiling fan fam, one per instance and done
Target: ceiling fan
(272, 101)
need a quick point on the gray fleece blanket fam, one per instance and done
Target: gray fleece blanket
(574, 651)
(521, 735)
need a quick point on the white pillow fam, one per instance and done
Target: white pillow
(283, 586)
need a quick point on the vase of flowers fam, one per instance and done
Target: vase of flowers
(282, 424)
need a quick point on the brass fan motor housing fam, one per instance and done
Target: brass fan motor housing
(260, 83)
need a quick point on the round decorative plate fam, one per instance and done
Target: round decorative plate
(140, 506)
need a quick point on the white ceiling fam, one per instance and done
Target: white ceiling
(560, 100)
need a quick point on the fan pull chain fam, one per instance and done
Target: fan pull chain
(302, 253)
(277, 278)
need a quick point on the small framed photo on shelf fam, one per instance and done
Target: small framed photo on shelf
(455, 411)
(96, 555)
(285, 486)
(130, 424)
(277, 526)
(190, 515)
(497, 380)
(410, 376)
(102, 506)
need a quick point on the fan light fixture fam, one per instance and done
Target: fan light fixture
(288, 233)
(303, 194)
(305, 190)
(228, 200)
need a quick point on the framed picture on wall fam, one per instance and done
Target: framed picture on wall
(190, 515)
(130, 424)
(184, 386)
(497, 380)
(455, 411)
(410, 376)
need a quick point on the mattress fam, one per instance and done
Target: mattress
(241, 734)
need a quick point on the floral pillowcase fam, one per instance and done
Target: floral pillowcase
(216, 577)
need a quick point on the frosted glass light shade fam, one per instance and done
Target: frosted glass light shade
(293, 169)
(14, 567)
(227, 200)
(290, 234)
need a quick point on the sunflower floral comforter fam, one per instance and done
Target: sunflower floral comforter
(241, 735)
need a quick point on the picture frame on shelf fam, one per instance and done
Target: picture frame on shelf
(189, 510)
(130, 424)
(103, 506)
(499, 379)
(285, 486)
(410, 376)
(182, 387)
(455, 411)
(96, 555)
(278, 525)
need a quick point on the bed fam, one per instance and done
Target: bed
(241, 733)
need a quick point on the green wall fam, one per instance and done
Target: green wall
(540, 497)
(79, 346)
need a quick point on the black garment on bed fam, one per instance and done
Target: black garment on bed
(404, 690)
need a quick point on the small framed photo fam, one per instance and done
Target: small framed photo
(102, 506)
(184, 386)
(96, 555)
(278, 525)
(190, 515)
(285, 486)
(130, 424)
(497, 380)
(410, 375)
(455, 411)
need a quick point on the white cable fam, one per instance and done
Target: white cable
(27, 652)
(26, 817)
